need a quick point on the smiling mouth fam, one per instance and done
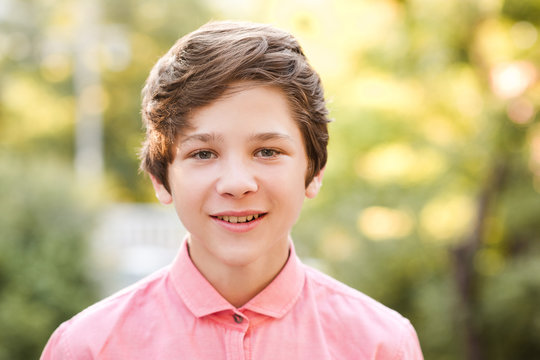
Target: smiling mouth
(239, 219)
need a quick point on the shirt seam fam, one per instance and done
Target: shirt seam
(357, 295)
(351, 293)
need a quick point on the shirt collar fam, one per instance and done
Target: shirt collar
(202, 299)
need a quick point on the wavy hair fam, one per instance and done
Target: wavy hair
(200, 67)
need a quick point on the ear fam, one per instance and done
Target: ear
(162, 194)
(315, 185)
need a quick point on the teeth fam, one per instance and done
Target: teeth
(238, 219)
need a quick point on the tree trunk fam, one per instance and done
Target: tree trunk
(463, 256)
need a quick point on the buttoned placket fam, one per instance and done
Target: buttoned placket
(237, 342)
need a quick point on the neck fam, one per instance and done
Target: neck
(240, 283)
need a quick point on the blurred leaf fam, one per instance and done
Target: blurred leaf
(44, 278)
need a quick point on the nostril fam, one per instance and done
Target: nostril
(236, 187)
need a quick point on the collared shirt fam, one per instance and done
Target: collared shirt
(177, 314)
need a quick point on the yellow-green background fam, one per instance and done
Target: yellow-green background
(430, 202)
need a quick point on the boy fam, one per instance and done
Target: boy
(236, 138)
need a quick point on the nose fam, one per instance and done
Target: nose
(236, 180)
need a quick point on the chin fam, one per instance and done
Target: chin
(239, 258)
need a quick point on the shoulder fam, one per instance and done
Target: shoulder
(362, 320)
(84, 335)
(346, 300)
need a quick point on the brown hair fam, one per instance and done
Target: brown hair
(200, 67)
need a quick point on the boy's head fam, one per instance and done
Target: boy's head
(201, 66)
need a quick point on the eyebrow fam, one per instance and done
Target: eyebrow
(202, 137)
(212, 137)
(270, 136)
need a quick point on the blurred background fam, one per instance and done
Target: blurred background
(431, 200)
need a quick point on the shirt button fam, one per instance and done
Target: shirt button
(238, 319)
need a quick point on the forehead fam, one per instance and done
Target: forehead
(248, 106)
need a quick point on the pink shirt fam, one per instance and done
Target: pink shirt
(176, 314)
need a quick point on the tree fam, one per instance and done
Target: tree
(44, 278)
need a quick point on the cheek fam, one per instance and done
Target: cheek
(188, 206)
(289, 189)
(189, 191)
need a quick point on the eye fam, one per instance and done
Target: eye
(267, 153)
(203, 155)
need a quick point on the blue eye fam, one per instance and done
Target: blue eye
(203, 155)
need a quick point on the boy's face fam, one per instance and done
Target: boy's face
(238, 177)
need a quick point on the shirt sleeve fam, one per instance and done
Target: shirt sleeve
(55, 348)
(410, 346)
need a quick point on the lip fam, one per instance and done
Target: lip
(238, 213)
(238, 227)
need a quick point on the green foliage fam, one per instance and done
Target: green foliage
(150, 28)
(528, 10)
(412, 184)
(43, 274)
(509, 310)
(433, 154)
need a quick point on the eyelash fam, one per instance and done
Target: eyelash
(196, 155)
(274, 152)
(207, 154)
